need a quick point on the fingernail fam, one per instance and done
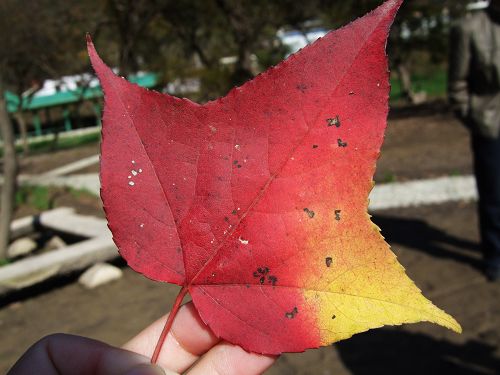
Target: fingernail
(145, 369)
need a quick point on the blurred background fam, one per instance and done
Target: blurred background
(200, 50)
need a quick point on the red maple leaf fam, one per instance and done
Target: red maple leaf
(256, 203)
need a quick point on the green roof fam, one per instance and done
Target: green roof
(66, 97)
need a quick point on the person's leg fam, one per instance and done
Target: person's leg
(487, 170)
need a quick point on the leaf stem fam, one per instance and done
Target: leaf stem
(168, 324)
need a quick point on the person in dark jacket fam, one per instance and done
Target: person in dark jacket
(474, 92)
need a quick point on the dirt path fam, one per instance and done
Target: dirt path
(437, 245)
(421, 147)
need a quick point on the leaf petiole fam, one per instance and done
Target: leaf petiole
(168, 324)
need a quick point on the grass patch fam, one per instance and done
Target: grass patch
(43, 198)
(34, 196)
(389, 177)
(62, 143)
(433, 84)
(4, 262)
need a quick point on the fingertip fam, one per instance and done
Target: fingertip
(69, 354)
(191, 332)
(226, 359)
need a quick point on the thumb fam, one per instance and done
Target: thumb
(67, 354)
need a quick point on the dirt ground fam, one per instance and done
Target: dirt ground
(422, 143)
(40, 163)
(438, 245)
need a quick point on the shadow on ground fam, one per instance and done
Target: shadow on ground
(390, 351)
(416, 234)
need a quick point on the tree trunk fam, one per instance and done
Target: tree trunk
(23, 131)
(243, 69)
(125, 63)
(9, 174)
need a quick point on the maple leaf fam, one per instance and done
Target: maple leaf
(256, 203)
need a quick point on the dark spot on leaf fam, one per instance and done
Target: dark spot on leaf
(234, 212)
(341, 143)
(334, 121)
(235, 162)
(337, 214)
(272, 279)
(334, 316)
(239, 165)
(247, 285)
(309, 212)
(226, 219)
(315, 146)
(265, 270)
(261, 271)
(302, 87)
(328, 261)
(351, 92)
(291, 314)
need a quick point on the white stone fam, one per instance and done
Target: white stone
(56, 242)
(20, 247)
(99, 274)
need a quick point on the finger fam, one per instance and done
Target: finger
(187, 340)
(228, 359)
(61, 354)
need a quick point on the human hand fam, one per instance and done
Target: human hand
(190, 347)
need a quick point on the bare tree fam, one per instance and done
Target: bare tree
(127, 22)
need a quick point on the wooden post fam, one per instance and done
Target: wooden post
(37, 123)
(97, 111)
(48, 119)
(9, 174)
(67, 119)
